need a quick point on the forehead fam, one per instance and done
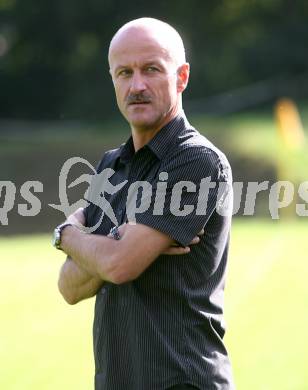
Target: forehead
(137, 46)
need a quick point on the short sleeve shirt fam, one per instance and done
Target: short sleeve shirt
(166, 327)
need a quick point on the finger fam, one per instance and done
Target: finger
(79, 210)
(72, 219)
(177, 250)
(78, 216)
(195, 240)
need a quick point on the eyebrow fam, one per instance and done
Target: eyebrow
(120, 67)
(154, 62)
(147, 63)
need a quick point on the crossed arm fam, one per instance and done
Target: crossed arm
(93, 259)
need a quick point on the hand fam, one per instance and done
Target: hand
(77, 218)
(175, 249)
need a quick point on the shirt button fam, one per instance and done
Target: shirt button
(103, 290)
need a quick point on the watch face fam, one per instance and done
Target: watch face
(56, 238)
(56, 241)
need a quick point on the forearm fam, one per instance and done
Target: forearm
(75, 283)
(115, 261)
(100, 258)
(92, 253)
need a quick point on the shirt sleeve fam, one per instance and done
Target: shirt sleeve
(190, 186)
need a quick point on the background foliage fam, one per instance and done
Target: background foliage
(53, 55)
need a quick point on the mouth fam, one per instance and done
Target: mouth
(138, 103)
(138, 106)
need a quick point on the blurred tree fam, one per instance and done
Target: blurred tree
(53, 55)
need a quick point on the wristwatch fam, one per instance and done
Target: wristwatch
(114, 231)
(56, 241)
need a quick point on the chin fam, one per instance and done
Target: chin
(141, 125)
(142, 122)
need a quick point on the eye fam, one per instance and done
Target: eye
(124, 73)
(152, 69)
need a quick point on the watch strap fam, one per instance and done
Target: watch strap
(58, 232)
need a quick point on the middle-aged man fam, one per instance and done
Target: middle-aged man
(158, 318)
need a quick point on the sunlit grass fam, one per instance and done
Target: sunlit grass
(266, 299)
(47, 345)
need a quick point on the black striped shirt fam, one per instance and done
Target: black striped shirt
(166, 327)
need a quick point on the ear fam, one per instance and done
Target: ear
(182, 77)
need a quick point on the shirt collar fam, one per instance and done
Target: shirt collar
(127, 151)
(161, 142)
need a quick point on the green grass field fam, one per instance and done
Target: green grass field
(47, 344)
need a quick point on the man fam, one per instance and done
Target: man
(158, 318)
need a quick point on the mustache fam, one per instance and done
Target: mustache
(138, 98)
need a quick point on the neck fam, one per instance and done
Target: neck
(143, 136)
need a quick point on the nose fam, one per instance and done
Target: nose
(137, 83)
